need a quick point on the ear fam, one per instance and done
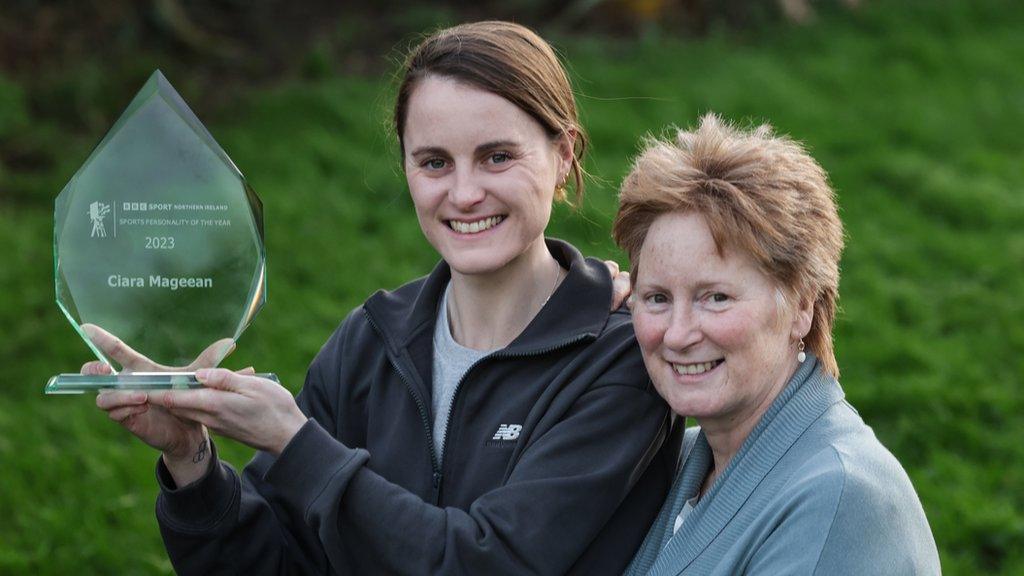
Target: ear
(565, 145)
(802, 318)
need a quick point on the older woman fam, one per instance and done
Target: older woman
(735, 241)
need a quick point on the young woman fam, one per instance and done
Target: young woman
(491, 418)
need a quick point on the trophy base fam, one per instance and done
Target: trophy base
(82, 383)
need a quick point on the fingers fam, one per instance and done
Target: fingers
(113, 347)
(122, 406)
(621, 289)
(621, 286)
(96, 368)
(197, 416)
(240, 382)
(213, 354)
(114, 399)
(125, 413)
(223, 379)
(184, 399)
(211, 422)
(217, 381)
(613, 267)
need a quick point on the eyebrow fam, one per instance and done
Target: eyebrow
(428, 150)
(496, 144)
(437, 151)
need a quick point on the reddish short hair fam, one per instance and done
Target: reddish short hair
(759, 193)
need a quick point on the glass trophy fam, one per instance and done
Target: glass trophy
(158, 249)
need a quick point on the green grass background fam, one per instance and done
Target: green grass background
(915, 109)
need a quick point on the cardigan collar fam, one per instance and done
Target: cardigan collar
(809, 393)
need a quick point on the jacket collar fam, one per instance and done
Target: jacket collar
(809, 393)
(578, 308)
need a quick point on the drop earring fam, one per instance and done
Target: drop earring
(800, 354)
(560, 193)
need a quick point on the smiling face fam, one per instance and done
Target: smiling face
(717, 338)
(482, 174)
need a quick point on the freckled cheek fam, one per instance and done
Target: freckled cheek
(649, 332)
(729, 333)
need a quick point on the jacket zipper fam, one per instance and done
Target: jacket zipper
(438, 464)
(424, 415)
(439, 474)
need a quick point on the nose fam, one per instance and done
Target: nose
(683, 329)
(465, 191)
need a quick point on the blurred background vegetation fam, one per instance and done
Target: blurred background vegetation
(915, 108)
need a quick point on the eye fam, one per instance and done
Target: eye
(500, 158)
(656, 298)
(717, 300)
(434, 164)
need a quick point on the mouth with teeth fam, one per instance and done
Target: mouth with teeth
(697, 368)
(476, 226)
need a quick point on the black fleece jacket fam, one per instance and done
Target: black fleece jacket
(557, 455)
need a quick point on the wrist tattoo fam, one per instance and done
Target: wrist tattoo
(200, 455)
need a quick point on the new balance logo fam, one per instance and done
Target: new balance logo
(508, 432)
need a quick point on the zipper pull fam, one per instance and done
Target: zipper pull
(437, 479)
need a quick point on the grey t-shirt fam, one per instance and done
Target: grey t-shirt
(451, 361)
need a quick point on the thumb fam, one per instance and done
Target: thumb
(213, 354)
(221, 379)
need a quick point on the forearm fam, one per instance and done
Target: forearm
(215, 521)
(222, 523)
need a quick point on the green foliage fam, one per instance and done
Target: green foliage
(13, 113)
(914, 110)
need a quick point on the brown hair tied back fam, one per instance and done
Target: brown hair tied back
(505, 59)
